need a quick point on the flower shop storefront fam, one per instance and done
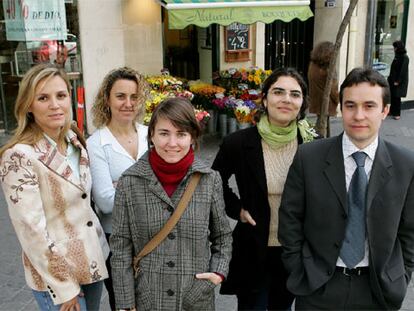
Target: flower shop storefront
(204, 36)
(217, 47)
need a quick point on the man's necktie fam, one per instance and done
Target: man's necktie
(353, 246)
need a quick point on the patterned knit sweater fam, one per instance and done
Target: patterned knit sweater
(277, 162)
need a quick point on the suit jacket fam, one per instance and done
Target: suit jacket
(62, 240)
(313, 217)
(241, 154)
(200, 242)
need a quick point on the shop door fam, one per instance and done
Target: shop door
(289, 44)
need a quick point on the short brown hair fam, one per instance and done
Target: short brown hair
(101, 113)
(180, 113)
(359, 75)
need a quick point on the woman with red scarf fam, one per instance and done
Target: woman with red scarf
(181, 273)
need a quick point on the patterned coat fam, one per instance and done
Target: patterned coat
(167, 280)
(62, 240)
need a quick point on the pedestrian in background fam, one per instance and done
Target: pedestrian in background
(259, 157)
(44, 173)
(118, 142)
(182, 271)
(346, 221)
(321, 56)
(398, 78)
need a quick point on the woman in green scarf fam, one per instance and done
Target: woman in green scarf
(260, 158)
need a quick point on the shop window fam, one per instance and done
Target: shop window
(33, 32)
(391, 25)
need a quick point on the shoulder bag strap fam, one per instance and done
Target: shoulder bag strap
(170, 224)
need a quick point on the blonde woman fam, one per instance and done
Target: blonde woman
(118, 143)
(44, 172)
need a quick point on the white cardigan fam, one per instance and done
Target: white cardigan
(62, 240)
(108, 161)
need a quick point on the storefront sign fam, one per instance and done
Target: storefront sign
(34, 20)
(179, 19)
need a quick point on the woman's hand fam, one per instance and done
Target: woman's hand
(245, 217)
(212, 277)
(71, 305)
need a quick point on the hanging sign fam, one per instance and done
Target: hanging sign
(237, 37)
(34, 20)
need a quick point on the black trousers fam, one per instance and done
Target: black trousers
(341, 292)
(272, 293)
(108, 281)
(395, 109)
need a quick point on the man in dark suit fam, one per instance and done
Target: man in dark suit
(346, 221)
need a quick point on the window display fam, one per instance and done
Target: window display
(32, 32)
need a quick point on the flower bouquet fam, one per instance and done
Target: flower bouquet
(202, 117)
(204, 93)
(163, 86)
(245, 111)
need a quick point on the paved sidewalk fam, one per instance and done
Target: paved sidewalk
(15, 295)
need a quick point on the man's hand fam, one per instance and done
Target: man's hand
(245, 217)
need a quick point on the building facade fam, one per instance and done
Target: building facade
(111, 33)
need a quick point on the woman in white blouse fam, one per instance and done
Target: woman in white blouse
(118, 142)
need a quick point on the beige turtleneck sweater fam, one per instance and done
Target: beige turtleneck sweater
(277, 162)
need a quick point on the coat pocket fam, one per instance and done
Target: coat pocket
(142, 293)
(200, 296)
(395, 272)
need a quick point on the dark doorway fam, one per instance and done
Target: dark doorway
(289, 44)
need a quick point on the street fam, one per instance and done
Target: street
(15, 295)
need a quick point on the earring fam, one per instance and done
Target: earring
(29, 116)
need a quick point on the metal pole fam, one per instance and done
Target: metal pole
(3, 101)
(370, 32)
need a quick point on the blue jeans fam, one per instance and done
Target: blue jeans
(89, 302)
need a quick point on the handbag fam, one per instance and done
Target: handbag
(169, 225)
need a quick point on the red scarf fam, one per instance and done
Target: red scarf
(170, 174)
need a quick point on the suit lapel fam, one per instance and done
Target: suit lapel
(254, 158)
(335, 171)
(380, 173)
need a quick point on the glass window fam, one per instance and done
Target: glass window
(390, 26)
(33, 32)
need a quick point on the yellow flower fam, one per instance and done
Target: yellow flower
(257, 80)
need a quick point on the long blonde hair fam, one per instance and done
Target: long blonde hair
(28, 131)
(101, 113)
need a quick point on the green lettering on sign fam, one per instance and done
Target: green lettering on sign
(179, 19)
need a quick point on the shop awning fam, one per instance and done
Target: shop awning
(202, 13)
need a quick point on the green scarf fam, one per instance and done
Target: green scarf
(277, 136)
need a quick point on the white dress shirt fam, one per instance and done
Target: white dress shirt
(348, 148)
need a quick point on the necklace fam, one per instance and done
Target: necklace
(128, 138)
